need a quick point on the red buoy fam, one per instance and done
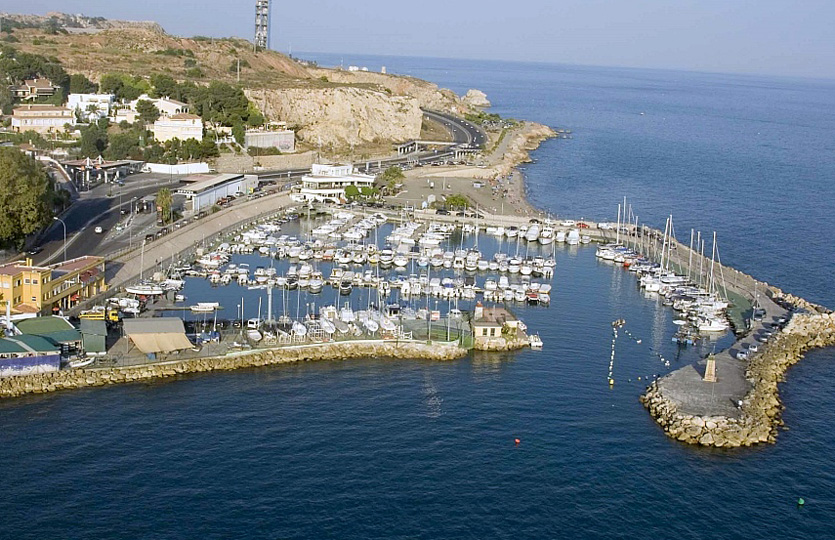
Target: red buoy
(518, 441)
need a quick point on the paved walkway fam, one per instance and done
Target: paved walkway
(127, 267)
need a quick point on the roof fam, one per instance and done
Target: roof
(55, 329)
(155, 335)
(204, 182)
(154, 325)
(494, 316)
(41, 325)
(39, 83)
(90, 327)
(55, 108)
(174, 101)
(184, 116)
(93, 343)
(27, 344)
(72, 265)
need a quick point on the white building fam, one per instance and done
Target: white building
(328, 182)
(166, 106)
(204, 190)
(91, 107)
(179, 126)
(41, 118)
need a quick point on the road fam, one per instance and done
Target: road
(95, 209)
(463, 131)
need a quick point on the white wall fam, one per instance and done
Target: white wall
(185, 168)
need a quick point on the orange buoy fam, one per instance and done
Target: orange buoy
(517, 441)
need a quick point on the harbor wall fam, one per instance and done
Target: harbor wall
(761, 407)
(42, 383)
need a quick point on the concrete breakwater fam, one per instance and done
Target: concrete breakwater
(759, 412)
(81, 378)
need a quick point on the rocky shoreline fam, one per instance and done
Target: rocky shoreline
(41, 383)
(522, 142)
(810, 328)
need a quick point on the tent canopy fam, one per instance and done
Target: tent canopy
(157, 335)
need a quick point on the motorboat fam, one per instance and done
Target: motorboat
(546, 236)
(205, 307)
(144, 289)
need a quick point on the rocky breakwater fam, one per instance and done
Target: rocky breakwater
(759, 411)
(81, 378)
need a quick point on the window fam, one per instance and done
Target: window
(492, 332)
(26, 281)
(34, 298)
(34, 282)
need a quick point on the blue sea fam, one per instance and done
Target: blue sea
(376, 448)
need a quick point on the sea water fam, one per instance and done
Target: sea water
(409, 449)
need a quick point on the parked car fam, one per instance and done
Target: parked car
(98, 230)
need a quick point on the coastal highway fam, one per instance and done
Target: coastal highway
(463, 131)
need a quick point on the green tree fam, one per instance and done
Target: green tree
(6, 100)
(352, 192)
(148, 112)
(93, 140)
(164, 202)
(26, 192)
(239, 132)
(79, 84)
(111, 83)
(457, 201)
(208, 148)
(123, 146)
(391, 176)
(164, 85)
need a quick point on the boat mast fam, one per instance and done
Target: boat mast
(690, 258)
(617, 232)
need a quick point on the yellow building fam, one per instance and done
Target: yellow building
(47, 289)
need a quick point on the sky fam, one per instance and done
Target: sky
(776, 37)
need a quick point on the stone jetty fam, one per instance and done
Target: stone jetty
(81, 378)
(746, 410)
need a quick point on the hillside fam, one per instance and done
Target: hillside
(330, 107)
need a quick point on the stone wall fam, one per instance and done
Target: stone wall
(761, 408)
(80, 378)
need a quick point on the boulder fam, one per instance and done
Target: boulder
(476, 98)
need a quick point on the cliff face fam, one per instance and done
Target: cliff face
(342, 116)
(427, 94)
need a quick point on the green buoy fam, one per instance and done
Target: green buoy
(800, 502)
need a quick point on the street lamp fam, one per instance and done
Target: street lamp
(56, 218)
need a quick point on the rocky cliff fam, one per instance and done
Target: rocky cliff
(428, 95)
(343, 115)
